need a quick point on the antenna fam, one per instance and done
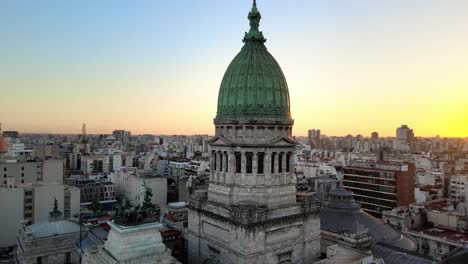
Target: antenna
(84, 130)
(84, 139)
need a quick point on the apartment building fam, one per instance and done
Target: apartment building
(380, 185)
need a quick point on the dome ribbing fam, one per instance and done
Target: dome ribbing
(254, 88)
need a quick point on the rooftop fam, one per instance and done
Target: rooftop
(54, 228)
(441, 232)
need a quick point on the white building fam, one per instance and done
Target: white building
(458, 184)
(130, 183)
(19, 150)
(34, 202)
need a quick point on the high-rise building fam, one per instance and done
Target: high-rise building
(374, 136)
(381, 185)
(404, 140)
(32, 202)
(250, 213)
(311, 137)
(121, 135)
(314, 138)
(131, 184)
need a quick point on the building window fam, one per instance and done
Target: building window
(4, 169)
(22, 174)
(227, 162)
(68, 258)
(249, 156)
(288, 162)
(214, 161)
(22, 168)
(285, 258)
(238, 162)
(4, 175)
(260, 160)
(22, 181)
(39, 260)
(273, 156)
(280, 163)
(220, 161)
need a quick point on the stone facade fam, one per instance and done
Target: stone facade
(49, 242)
(140, 244)
(247, 233)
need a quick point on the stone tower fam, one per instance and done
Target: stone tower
(250, 213)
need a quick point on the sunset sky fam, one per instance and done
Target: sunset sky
(155, 66)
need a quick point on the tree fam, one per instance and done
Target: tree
(95, 206)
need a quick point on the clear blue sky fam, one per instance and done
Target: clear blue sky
(155, 66)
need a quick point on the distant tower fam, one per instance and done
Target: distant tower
(314, 138)
(404, 139)
(375, 136)
(84, 140)
(317, 138)
(311, 137)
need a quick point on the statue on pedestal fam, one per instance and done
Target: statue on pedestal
(126, 214)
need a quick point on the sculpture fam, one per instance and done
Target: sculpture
(126, 214)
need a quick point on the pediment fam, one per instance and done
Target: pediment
(220, 141)
(283, 141)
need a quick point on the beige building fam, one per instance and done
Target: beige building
(130, 183)
(16, 172)
(33, 202)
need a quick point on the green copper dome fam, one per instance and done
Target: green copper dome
(254, 88)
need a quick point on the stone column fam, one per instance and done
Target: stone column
(267, 163)
(243, 167)
(212, 168)
(254, 163)
(284, 168)
(230, 174)
(276, 166)
(267, 167)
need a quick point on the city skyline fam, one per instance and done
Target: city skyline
(149, 68)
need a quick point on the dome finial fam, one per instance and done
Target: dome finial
(254, 6)
(254, 35)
